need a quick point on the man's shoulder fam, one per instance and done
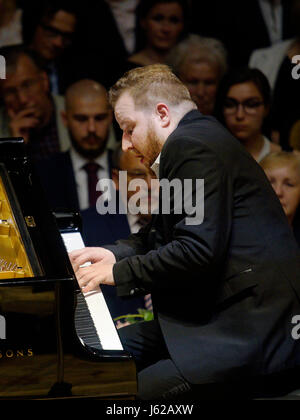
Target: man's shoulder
(198, 130)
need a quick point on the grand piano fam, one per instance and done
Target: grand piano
(55, 342)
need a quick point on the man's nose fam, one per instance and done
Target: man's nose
(126, 144)
(91, 125)
(22, 97)
(200, 90)
(58, 41)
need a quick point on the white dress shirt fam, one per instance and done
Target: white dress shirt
(81, 176)
(155, 166)
(272, 14)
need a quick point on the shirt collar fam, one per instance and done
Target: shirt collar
(79, 161)
(155, 166)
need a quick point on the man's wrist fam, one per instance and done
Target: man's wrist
(125, 285)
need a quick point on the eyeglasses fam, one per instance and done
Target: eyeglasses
(54, 33)
(250, 106)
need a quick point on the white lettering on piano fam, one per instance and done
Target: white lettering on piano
(2, 328)
(2, 67)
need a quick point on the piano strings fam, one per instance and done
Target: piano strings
(8, 266)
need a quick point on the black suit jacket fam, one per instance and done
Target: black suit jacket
(225, 290)
(58, 180)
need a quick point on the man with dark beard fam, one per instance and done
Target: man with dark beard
(70, 178)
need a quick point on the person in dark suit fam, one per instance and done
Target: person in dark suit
(221, 262)
(70, 178)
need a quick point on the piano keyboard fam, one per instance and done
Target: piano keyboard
(93, 322)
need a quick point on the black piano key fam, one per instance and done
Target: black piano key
(84, 324)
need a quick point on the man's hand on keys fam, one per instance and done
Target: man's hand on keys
(100, 271)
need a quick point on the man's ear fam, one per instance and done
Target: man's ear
(115, 178)
(163, 113)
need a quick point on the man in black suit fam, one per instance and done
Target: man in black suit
(70, 178)
(225, 283)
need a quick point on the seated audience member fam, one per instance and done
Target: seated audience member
(200, 63)
(243, 105)
(123, 12)
(75, 173)
(99, 229)
(277, 64)
(10, 23)
(29, 110)
(283, 171)
(243, 26)
(160, 25)
(48, 29)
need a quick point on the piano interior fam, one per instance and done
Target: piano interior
(14, 262)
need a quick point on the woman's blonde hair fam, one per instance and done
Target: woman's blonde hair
(282, 158)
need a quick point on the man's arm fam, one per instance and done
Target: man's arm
(194, 249)
(136, 244)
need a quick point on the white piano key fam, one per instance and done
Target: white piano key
(95, 300)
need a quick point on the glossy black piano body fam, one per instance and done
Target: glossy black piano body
(41, 355)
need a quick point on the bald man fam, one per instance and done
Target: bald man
(74, 174)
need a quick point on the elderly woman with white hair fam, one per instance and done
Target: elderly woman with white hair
(200, 63)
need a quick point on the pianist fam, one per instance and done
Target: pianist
(225, 290)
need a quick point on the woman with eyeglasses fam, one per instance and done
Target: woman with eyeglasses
(243, 106)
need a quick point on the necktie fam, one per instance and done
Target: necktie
(91, 169)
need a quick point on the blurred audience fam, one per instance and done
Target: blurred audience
(283, 171)
(49, 31)
(124, 14)
(29, 110)
(242, 26)
(200, 63)
(160, 25)
(10, 23)
(243, 105)
(276, 63)
(75, 173)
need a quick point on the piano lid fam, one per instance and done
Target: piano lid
(31, 248)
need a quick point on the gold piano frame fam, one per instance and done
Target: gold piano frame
(12, 248)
